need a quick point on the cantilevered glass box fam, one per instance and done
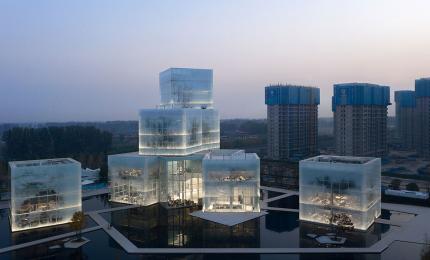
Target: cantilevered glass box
(44, 192)
(185, 87)
(134, 178)
(177, 131)
(231, 181)
(340, 185)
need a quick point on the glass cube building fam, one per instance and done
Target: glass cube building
(145, 180)
(44, 192)
(184, 87)
(340, 184)
(178, 131)
(231, 181)
(134, 179)
(174, 141)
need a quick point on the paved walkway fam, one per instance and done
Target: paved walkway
(292, 192)
(280, 209)
(113, 233)
(126, 206)
(44, 240)
(89, 193)
(277, 197)
(415, 230)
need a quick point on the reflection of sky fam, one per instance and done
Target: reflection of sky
(99, 60)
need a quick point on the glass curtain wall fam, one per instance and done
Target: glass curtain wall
(185, 87)
(210, 129)
(44, 193)
(177, 131)
(133, 179)
(231, 182)
(183, 180)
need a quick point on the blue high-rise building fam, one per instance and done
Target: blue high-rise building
(422, 90)
(406, 118)
(292, 119)
(360, 119)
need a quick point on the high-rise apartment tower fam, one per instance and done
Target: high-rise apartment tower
(360, 119)
(406, 118)
(422, 92)
(292, 119)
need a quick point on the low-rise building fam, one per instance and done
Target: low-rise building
(340, 185)
(231, 181)
(44, 192)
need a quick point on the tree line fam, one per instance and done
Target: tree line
(86, 144)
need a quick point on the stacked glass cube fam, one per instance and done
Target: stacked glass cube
(173, 140)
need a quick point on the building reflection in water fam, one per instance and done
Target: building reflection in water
(156, 226)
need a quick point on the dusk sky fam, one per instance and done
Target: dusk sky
(94, 60)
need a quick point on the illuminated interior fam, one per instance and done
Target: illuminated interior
(133, 179)
(231, 181)
(184, 87)
(336, 184)
(184, 180)
(173, 140)
(44, 192)
(185, 122)
(178, 131)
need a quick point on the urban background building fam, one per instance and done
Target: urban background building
(292, 121)
(331, 185)
(360, 119)
(422, 91)
(406, 130)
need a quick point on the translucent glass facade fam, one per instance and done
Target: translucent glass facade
(175, 139)
(145, 180)
(340, 184)
(44, 192)
(185, 87)
(231, 181)
(178, 131)
(182, 179)
(134, 179)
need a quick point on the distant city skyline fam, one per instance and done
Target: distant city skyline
(100, 60)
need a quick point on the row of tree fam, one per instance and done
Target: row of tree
(395, 185)
(86, 144)
(51, 142)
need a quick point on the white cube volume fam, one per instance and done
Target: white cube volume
(340, 184)
(44, 192)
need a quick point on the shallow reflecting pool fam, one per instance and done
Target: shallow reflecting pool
(157, 227)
